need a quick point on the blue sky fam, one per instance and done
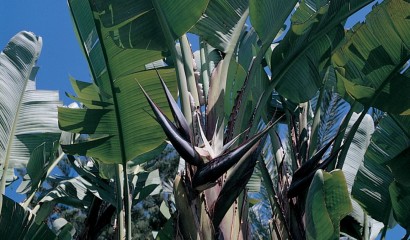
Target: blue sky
(61, 54)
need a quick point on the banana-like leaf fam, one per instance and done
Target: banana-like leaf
(217, 24)
(135, 24)
(268, 17)
(357, 148)
(372, 182)
(299, 61)
(332, 110)
(120, 40)
(18, 223)
(354, 159)
(400, 198)
(133, 122)
(326, 204)
(234, 82)
(370, 62)
(20, 132)
(20, 101)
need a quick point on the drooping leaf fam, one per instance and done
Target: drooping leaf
(370, 62)
(145, 184)
(167, 232)
(357, 219)
(326, 204)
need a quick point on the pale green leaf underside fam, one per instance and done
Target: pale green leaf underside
(28, 116)
(373, 178)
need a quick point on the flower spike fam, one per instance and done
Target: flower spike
(183, 147)
(179, 118)
(211, 171)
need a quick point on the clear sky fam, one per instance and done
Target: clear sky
(61, 54)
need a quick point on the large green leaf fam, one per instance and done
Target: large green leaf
(217, 24)
(116, 110)
(268, 17)
(299, 61)
(327, 203)
(18, 223)
(370, 61)
(135, 24)
(372, 182)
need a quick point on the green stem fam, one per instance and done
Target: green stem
(9, 145)
(383, 236)
(366, 233)
(204, 69)
(127, 203)
(120, 203)
(189, 68)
